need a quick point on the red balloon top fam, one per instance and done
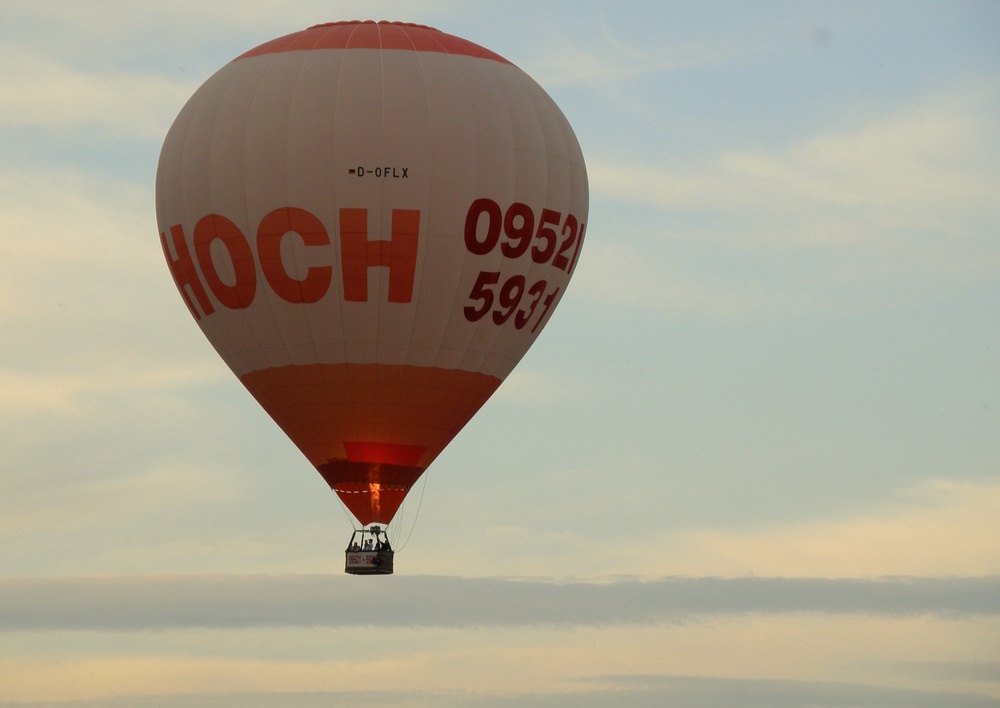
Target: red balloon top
(368, 34)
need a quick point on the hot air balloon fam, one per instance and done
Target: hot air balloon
(371, 222)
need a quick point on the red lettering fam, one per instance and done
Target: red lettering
(548, 304)
(569, 231)
(358, 254)
(508, 297)
(183, 271)
(519, 235)
(209, 228)
(399, 254)
(518, 225)
(547, 234)
(273, 228)
(494, 219)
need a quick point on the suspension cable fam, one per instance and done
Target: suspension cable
(420, 502)
(347, 514)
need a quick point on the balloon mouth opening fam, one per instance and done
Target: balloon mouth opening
(372, 491)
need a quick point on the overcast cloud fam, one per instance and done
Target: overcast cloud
(146, 603)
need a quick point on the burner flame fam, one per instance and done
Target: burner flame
(375, 490)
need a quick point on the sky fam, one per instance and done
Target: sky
(753, 459)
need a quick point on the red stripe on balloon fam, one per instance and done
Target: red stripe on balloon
(374, 35)
(391, 453)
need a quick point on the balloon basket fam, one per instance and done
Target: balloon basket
(368, 554)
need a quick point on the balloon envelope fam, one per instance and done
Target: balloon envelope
(371, 223)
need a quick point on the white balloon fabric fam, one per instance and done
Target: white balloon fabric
(371, 223)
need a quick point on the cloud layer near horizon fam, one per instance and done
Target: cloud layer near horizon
(140, 603)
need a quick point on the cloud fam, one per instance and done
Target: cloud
(84, 294)
(311, 640)
(938, 527)
(905, 200)
(934, 528)
(567, 63)
(140, 603)
(92, 78)
(108, 30)
(69, 506)
(629, 274)
(894, 211)
(739, 660)
(69, 238)
(625, 691)
(527, 386)
(698, 691)
(76, 394)
(42, 92)
(918, 168)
